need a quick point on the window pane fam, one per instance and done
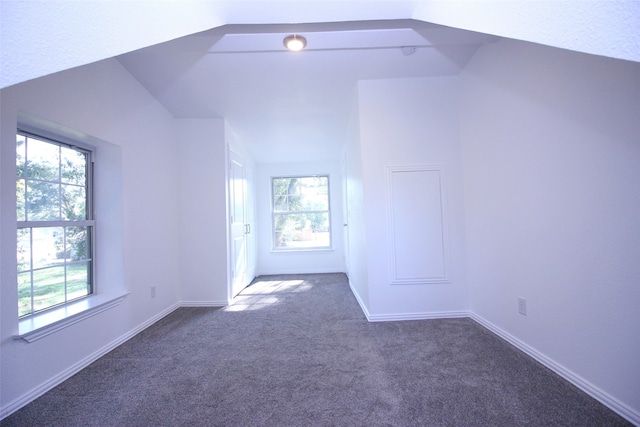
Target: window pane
(302, 230)
(24, 293)
(281, 204)
(78, 280)
(74, 203)
(21, 188)
(301, 212)
(301, 194)
(315, 193)
(73, 166)
(54, 263)
(48, 288)
(318, 222)
(286, 194)
(78, 244)
(284, 186)
(286, 227)
(48, 246)
(43, 202)
(24, 249)
(43, 160)
(21, 154)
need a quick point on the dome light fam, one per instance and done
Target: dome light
(295, 43)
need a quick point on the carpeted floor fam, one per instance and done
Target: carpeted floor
(297, 351)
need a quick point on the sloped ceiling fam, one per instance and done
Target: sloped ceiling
(40, 37)
(290, 107)
(293, 106)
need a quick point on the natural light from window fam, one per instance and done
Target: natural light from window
(301, 214)
(263, 293)
(55, 225)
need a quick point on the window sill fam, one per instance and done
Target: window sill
(301, 250)
(43, 324)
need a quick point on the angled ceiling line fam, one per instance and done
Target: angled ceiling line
(337, 49)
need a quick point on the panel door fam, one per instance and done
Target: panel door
(237, 206)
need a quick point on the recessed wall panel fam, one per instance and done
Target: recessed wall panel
(416, 218)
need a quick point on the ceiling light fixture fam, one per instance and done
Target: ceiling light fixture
(295, 43)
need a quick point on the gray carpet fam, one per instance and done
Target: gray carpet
(297, 351)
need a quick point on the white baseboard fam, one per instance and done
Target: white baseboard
(606, 399)
(392, 317)
(363, 307)
(203, 304)
(80, 365)
(298, 271)
(404, 316)
(624, 410)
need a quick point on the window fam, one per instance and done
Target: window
(55, 223)
(301, 216)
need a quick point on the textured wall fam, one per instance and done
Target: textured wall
(608, 28)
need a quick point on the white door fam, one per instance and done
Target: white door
(345, 215)
(250, 216)
(239, 226)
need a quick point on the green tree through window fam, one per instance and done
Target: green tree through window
(55, 223)
(301, 215)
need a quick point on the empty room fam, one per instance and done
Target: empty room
(320, 213)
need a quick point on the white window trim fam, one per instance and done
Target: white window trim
(42, 324)
(89, 222)
(314, 249)
(110, 278)
(303, 250)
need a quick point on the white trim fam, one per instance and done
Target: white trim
(360, 302)
(603, 397)
(418, 316)
(303, 250)
(310, 270)
(405, 316)
(40, 325)
(80, 365)
(606, 399)
(203, 303)
(446, 276)
(275, 249)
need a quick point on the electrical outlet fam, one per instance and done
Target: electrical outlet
(522, 306)
(153, 292)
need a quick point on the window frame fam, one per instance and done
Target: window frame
(274, 213)
(89, 222)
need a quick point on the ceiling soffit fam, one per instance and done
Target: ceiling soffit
(244, 74)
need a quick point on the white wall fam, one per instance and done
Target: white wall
(202, 202)
(551, 167)
(104, 101)
(356, 238)
(411, 122)
(324, 261)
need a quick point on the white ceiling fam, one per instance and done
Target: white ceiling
(288, 106)
(44, 37)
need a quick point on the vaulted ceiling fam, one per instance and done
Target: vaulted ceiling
(224, 58)
(289, 106)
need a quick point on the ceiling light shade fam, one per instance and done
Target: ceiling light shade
(295, 42)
